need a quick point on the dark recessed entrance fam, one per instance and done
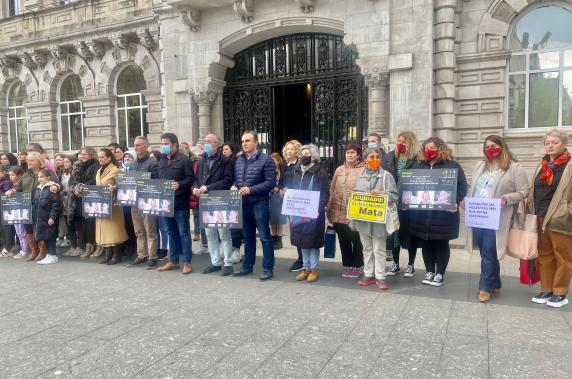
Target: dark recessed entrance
(303, 86)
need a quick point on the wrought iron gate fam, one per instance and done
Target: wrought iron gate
(339, 95)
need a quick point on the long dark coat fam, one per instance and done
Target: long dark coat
(310, 235)
(45, 205)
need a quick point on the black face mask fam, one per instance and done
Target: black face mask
(304, 161)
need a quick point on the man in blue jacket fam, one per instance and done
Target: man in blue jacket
(254, 178)
(177, 167)
(215, 172)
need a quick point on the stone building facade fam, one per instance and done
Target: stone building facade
(457, 69)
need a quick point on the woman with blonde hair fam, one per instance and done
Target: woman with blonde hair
(433, 229)
(550, 200)
(403, 158)
(498, 176)
(291, 154)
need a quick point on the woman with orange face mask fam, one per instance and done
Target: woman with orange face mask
(376, 181)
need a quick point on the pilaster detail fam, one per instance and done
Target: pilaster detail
(149, 37)
(204, 101)
(191, 18)
(244, 9)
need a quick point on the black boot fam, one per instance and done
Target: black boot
(116, 255)
(108, 255)
(277, 242)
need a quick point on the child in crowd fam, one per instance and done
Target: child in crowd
(7, 231)
(45, 216)
(16, 174)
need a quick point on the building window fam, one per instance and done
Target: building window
(13, 8)
(131, 106)
(71, 114)
(540, 69)
(17, 117)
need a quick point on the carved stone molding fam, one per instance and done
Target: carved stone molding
(119, 40)
(83, 50)
(28, 60)
(191, 18)
(203, 97)
(244, 9)
(149, 37)
(97, 48)
(58, 52)
(7, 63)
(306, 6)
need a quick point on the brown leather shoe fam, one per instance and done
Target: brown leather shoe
(42, 249)
(496, 290)
(196, 237)
(484, 296)
(169, 266)
(187, 268)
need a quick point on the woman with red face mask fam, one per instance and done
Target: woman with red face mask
(402, 158)
(433, 229)
(373, 179)
(498, 176)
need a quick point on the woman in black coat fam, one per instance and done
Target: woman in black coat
(404, 157)
(433, 229)
(45, 216)
(305, 233)
(230, 150)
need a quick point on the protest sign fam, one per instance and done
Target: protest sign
(156, 197)
(220, 209)
(96, 202)
(367, 207)
(482, 212)
(127, 186)
(301, 203)
(429, 189)
(16, 209)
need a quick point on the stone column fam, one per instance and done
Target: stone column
(155, 119)
(378, 101)
(99, 121)
(444, 32)
(204, 101)
(43, 124)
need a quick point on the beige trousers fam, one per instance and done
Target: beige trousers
(146, 233)
(373, 256)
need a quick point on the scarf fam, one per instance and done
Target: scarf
(547, 172)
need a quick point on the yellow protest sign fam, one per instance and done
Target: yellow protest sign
(367, 207)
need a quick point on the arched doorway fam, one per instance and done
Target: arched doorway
(302, 86)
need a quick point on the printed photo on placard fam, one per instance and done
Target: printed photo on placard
(16, 209)
(428, 189)
(220, 209)
(97, 202)
(126, 191)
(156, 197)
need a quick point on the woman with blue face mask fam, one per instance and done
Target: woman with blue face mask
(126, 159)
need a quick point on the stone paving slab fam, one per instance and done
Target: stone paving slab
(79, 319)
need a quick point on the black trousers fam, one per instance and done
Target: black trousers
(76, 233)
(412, 250)
(436, 254)
(350, 245)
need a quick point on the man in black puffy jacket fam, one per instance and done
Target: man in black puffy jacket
(254, 178)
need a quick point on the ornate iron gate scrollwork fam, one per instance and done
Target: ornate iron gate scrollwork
(339, 95)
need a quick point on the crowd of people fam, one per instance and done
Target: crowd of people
(263, 180)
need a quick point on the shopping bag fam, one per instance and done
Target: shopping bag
(391, 220)
(330, 243)
(523, 236)
(529, 274)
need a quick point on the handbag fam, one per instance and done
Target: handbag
(391, 216)
(529, 274)
(330, 243)
(522, 240)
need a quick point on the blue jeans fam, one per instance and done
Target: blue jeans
(214, 235)
(256, 216)
(311, 257)
(490, 267)
(179, 230)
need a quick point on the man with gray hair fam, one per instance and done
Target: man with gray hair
(215, 172)
(145, 225)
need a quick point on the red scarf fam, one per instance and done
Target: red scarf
(547, 173)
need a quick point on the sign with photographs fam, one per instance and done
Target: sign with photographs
(127, 186)
(96, 202)
(220, 209)
(482, 213)
(430, 189)
(156, 197)
(16, 209)
(367, 207)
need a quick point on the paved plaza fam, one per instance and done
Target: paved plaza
(79, 319)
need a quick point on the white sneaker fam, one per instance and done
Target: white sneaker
(236, 257)
(48, 260)
(202, 250)
(21, 255)
(4, 253)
